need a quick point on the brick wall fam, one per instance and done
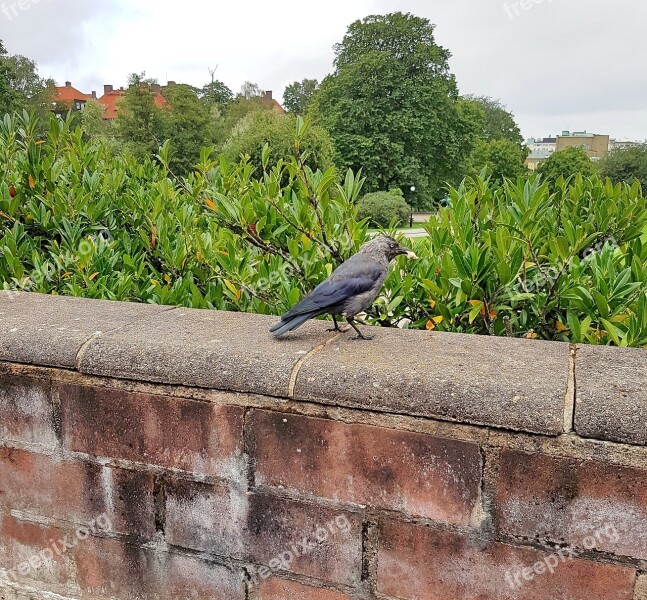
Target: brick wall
(156, 453)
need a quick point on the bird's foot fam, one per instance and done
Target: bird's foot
(363, 336)
(339, 329)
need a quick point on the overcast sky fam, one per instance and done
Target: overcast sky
(557, 64)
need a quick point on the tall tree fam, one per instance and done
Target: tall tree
(250, 90)
(216, 93)
(499, 123)
(140, 122)
(21, 86)
(187, 124)
(391, 106)
(298, 95)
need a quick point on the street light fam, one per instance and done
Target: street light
(413, 189)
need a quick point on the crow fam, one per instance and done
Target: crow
(351, 289)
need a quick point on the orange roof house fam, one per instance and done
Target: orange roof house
(270, 102)
(110, 97)
(69, 98)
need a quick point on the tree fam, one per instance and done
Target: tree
(626, 164)
(22, 87)
(566, 163)
(216, 93)
(278, 131)
(92, 121)
(234, 112)
(187, 124)
(140, 122)
(503, 159)
(250, 90)
(391, 106)
(499, 122)
(297, 95)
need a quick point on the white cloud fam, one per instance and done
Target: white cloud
(559, 64)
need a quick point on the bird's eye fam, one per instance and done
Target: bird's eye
(392, 245)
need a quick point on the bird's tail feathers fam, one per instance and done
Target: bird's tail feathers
(291, 324)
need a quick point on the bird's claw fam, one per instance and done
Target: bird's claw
(338, 329)
(363, 336)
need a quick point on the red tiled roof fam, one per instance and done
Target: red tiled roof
(109, 100)
(70, 94)
(278, 107)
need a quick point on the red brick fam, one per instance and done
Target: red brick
(415, 473)
(276, 526)
(206, 517)
(76, 491)
(280, 589)
(32, 552)
(259, 528)
(26, 411)
(171, 432)
(111, 568)
(420, 563)
(585, 504)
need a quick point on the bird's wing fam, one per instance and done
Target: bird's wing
(350, 279)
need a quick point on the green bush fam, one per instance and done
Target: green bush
(520, 260)
(515, 260)
(626, 165)
(263, 128)
(383, 209)
(76, 220)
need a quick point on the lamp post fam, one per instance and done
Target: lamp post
(413, 189)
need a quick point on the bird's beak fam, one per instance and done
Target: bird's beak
(408, 253)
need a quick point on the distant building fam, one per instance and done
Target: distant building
(270, 102)
(540, 150)
(596, 146)
(111, 96)
(69, 98)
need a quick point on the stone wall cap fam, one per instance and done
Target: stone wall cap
(500, 382)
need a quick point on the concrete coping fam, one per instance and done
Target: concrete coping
(532, 386)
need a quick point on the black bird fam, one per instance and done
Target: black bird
(351, 289)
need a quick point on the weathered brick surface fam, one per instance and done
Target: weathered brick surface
(281, 589)
(398, 470)
(278, 530)
(584, 504)
(76, 491)
(26, 411)
(113, 569)
(30, 552)
(171, 432)
(206, 517)
(640, 593)
(267, 530)
(417, 562)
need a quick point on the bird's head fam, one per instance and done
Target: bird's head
(383, 245)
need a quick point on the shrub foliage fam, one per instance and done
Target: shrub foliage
(384, 209)
(518, 259)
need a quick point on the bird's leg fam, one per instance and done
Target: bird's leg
(360, 335)
(337, 327)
